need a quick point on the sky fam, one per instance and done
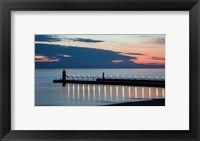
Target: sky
(100, 51)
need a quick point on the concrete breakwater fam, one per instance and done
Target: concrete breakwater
(113, 81)
(150, 83)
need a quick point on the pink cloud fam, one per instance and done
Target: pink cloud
(117, 61)
(40, 58)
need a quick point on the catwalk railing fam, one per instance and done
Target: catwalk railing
(113, 80)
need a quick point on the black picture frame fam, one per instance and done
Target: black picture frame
(6, 6)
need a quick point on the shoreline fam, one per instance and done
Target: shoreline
(153, 102)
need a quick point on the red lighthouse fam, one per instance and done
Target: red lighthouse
(64, 75)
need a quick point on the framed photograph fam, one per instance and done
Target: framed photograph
(112, 70)
(99, 70)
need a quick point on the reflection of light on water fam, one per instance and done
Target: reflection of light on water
(68, 88)
(73, 90)
(135, 91)
(68, 91)
(78, 87)
(163, 92)
(104, 87)
(156, 92)
(99, 91)
(149, 92)
(94, 92)
(142, 92)
(88, 92)
(122, 92)
(83, 91)
(129, 92)
(110, 92)
(116, 92)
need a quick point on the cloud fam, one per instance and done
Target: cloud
(56, 56)
(152, 39)
(64, 55)
(58, 38)
(133, 60)
(86, 40)
(158, 58)
(80, 57)
(155, 40)
(117, 61)
(47, 38)
(149, 35)
(160, 40)
(153, 64)
(40, 58)
(135, 54)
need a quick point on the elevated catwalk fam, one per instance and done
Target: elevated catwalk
(150, 83)
(109, 81)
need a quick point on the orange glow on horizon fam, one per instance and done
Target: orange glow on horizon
(148, 61)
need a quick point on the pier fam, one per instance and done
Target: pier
(110, 80)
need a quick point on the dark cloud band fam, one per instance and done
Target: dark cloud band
(86, 40)
(158, 58)
(51, 38)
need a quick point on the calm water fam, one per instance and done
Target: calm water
(48, 93)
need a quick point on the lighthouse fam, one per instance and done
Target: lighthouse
(64, 75)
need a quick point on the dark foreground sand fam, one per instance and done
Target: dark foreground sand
(153, 102)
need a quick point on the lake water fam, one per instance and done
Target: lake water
(48, 93)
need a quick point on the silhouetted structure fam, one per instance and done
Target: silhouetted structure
(64, 75)
(103, 75)
(115, 81)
